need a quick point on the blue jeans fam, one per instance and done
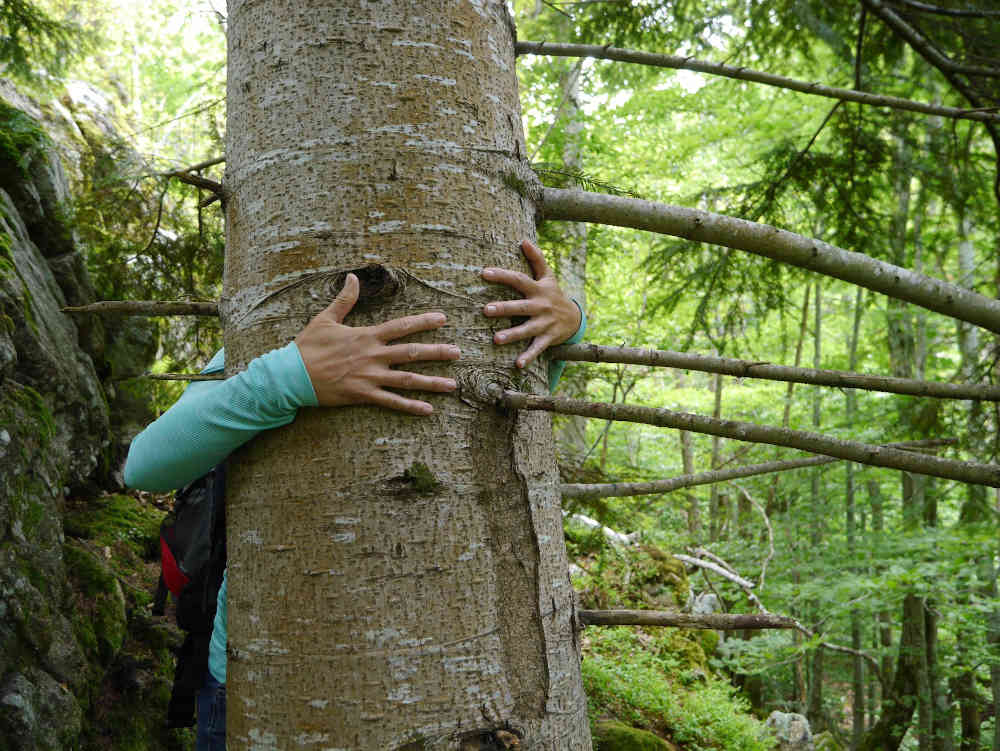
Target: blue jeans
(211, 715)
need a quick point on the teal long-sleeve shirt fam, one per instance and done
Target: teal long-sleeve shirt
(214, 418)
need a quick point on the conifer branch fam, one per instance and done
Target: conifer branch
(862, 453)
(147, 308)
(590, 491)
(713, 621)
(923, 45)
(764, 370)
(745, 74)
(776, 244)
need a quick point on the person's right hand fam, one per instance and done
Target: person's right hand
(351, 365)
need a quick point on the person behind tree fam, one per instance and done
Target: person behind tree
(329, 364)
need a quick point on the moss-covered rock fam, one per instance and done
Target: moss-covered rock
(610, 735)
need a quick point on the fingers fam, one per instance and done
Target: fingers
(535, 259)
(539, 345)
(521, 282)
(512, 308)
(413, 352)
(404, 379)
(399, 403)
(526, 330)
(397, 328)
(345, 299)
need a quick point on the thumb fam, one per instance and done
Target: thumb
(345, 300)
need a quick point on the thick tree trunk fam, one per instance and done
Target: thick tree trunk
(394, 582)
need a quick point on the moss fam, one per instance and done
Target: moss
(709, 641)
(37, 410)
(99, 618)
(118, 521)
(421, 480)
(21, 138)
(610, 735)
(516, 184)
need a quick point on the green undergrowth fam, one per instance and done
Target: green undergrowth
(130, 531)
(20, 139)
(639, 678)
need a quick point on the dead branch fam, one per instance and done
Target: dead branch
(770, 532)
(745, 74)
(752, 597)
(203, 165)
(926, 8)
(862, 453)
(763, 370)
(198, 181)
(184, 376)
(776, 244)
(922, 44)
(147, 308)
(714, 621)
(655, 487)
(717, 569)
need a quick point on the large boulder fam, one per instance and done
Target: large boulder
(791, 730)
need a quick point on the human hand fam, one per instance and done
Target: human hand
(350, 365)
(552, 317)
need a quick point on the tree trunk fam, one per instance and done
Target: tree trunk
(394, 582)
(857, 664)
(900, 701)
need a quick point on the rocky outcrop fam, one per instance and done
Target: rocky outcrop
(63, 615)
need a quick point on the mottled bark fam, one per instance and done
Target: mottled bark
(392, 579)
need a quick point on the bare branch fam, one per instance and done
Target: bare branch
(198, 181)
(949, 11)
(717, 569)
(770, 532)
(656, 487)
(862, 453)
(922, 44)
(745, 74)
(203, 165)
(776, 244)
(715, 621)
(764, 370)
(147, 308)
(183, 376)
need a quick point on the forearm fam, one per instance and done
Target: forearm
(214, 418)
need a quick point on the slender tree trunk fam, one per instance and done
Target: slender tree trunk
(687, 461)
(814, 705)
(857, 664)
(717, 497)
(394, 582)
(572, 437)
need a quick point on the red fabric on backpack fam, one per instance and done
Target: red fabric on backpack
(174, 578)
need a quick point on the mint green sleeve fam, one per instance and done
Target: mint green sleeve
(556, 367)
(213, 418)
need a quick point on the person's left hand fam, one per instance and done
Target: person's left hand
(552, 317)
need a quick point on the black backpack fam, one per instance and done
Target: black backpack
(192, 562)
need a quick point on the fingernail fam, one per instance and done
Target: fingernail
(451, 384)
(426, 409)
(491, 309)
(499, 338)
(520, 363)
(488, 273)
(455, 351)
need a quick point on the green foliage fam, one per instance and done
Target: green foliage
(21, 138)
(638, 679)
(33, 40)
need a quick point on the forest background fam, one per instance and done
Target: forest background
(859, 555)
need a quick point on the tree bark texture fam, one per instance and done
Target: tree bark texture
(394, 582)
(776, 244)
